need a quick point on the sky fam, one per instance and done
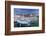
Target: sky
(25, 11)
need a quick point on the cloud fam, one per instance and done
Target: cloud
(25, 11)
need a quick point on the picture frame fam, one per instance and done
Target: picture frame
(11, 9)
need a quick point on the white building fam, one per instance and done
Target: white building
(27, 17)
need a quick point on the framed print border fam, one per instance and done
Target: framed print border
(8, 17)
